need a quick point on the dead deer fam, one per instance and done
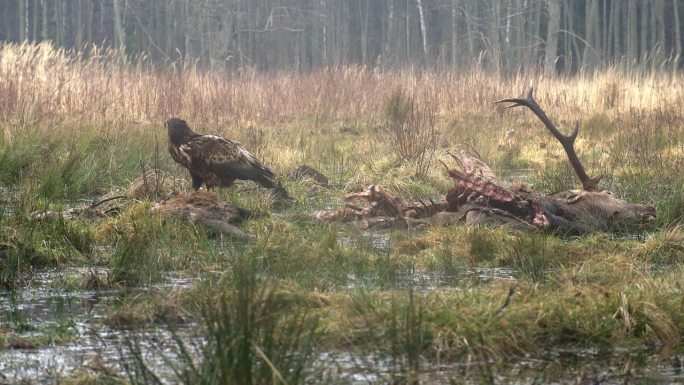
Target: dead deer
(478, 197)
(598, 209)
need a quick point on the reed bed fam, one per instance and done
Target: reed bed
(99, 88)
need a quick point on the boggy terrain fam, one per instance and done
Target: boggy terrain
(275, 295)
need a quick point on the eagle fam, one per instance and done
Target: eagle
(215, 161)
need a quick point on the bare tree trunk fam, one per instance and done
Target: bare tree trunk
(63, 23)
(678, 36)
(387, 57)
(520, 16)
(363, 19)
(611, 48)
(187, 41)
(346, 35)
(552, 37)
(167, 38)
(204, 54)
(78, 39)
(572, 50)
(334, 35)
(588, 52)
(324, 34)
(606, 45)
(408, 34)
(632, 26)
(596, 41)
(23, 20)
(494, 47)
(118, 28)
(469, 31)
(89, 22)
(56, 17)
(423, 29)
(644, 46)
(250, 33)
(510, 59)
(454, 33)
(34, 24)
(44, 23)
(533, 39)
(659, 25)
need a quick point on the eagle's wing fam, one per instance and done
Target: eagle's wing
(227, 159)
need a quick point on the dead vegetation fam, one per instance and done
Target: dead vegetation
(204, 207)
(155, 184)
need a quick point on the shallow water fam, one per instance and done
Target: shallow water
(96, 348)
(426, 281)
(44, 305)
(571, 366)
(377, 240)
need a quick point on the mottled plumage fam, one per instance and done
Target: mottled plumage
(212, 160)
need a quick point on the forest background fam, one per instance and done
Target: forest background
(502, 36)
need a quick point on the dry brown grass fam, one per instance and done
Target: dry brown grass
(633, 130)
(289, 118)
(39, 81)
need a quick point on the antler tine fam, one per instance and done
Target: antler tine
(517, 102)
(454, 157)
(443, 164)
(568, 142)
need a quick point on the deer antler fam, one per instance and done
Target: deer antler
(588, 183)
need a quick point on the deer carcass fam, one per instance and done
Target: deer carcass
(478, 196)
(583, 210)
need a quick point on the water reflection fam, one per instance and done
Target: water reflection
(97, 347)
(44, 305)
(562, 366)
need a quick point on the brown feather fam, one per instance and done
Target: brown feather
(213, 160)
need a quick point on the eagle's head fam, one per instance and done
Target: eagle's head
(178, 130)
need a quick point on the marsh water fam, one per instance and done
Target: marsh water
(44, 308)
(58, 333)
(90, 346)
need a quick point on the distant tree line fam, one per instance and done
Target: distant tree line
(504, 36)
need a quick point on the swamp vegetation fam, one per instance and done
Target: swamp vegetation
(145, 298)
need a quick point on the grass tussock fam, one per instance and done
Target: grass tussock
(34, 244)
(138, 310)
(252, 336)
